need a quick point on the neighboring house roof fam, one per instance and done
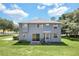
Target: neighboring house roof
(40, 21)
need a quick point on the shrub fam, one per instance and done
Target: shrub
(74, 36)
(15, 38)
(24, 41)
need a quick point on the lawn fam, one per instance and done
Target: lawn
(11, 48)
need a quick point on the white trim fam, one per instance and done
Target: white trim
(46, 31)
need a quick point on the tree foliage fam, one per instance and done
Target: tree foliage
(6, 24)
(70, 23)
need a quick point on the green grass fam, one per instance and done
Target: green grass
(11, 48)
(7, 36)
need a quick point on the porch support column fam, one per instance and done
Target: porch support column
(49, 35)
(45, 37)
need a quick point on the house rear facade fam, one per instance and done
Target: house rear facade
(37, 31)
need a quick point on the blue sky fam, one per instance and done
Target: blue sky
(19, 12)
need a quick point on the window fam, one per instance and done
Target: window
(55, 27)
(23, 35)
(47, 24)
(37, 25)
(20, 25)
(55, 35)
(24, 25)
(41, 25)
(36, 37)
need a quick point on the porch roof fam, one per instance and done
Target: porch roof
(46, 31)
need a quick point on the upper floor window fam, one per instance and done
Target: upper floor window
(55, 27)
(41, 25)
(20, 25)
(37, 25)
(47, 24)
(24, 25)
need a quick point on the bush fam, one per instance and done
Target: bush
(74, 36)
(23, 41)
(15, 38)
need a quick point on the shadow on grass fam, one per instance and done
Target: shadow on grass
(22, 43)
(52, 43)
(5, 35)
(71, 38)
(56, 44)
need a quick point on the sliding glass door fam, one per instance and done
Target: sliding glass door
(35, 37)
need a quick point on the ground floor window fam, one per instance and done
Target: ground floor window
(55, 35)
(35, 37)
(24, 34)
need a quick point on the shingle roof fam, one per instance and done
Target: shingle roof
(41, 21)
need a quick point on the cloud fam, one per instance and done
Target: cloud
(40, 7)
(58, 10)
(15, 6)
(15, 11)
(47, 4)
(2, 7)
(58, 4)
(15, 23)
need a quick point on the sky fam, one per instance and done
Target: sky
(21, 12)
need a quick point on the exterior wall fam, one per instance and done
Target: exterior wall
(26, 33)
(34, 30)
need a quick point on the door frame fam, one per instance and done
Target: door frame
(47, 36)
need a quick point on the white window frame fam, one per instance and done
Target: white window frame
(25, 25)
(47, 24)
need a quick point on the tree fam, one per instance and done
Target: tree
(6, 24)
(3, 24)
(10, 25)
(16, 28)
(70, 22)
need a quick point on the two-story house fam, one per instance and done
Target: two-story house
(37, 31)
